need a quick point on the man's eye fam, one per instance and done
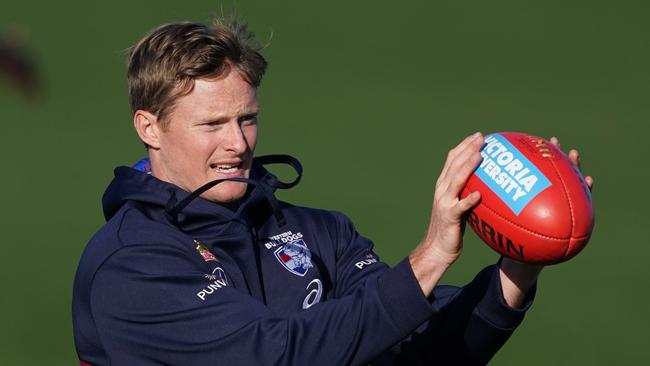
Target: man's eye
(248, 120)
(212, 123)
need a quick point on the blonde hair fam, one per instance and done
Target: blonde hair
(163, 65)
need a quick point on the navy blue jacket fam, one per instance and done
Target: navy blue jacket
(266, 283)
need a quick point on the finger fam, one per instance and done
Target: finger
(467, 203)
(455, 151)
(574, 157)
(460, 173)
(462, 150)
(590, 182)
(466, 141)
(462, 167)
(555, 142)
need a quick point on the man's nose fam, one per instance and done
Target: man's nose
(235, 139)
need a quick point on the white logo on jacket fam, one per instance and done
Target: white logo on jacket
(295, 257)
(370, 259)
(314, 295)
(219, 280)
(283, 238)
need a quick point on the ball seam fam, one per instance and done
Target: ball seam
(568, 199)
(523, 228)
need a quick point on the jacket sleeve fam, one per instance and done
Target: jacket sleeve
(145, 306)
(469, 325)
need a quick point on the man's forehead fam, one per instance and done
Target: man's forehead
(212, 98)
(223, 107)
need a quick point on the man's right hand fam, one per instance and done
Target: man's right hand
(443, 242)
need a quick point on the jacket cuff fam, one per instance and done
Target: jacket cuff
(403, 298)
(494, 309)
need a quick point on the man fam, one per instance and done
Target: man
(199, 264)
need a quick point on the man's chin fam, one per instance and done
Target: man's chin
(226, 192)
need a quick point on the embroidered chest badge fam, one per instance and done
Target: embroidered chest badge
(206, 254)
(295, 257)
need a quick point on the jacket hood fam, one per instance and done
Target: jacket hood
(188, 210)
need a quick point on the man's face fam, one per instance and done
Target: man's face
(211, 134)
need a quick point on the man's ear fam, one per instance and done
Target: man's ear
(146, 124)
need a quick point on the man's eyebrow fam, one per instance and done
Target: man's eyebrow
(242, 112)
(212, 118)
(248, 111)
(252, 112)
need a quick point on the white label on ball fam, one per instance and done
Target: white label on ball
(509, 174)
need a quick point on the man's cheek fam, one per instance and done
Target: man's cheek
(251, 137)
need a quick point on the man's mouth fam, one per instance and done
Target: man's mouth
(227, 168)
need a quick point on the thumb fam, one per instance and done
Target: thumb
(468, 203)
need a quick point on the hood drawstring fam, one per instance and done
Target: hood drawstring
(268, 184)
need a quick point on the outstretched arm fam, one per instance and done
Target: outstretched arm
(518, 278)
(443, 243)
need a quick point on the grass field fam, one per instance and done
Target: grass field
(369, 95)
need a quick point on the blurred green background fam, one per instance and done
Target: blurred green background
(369, 95)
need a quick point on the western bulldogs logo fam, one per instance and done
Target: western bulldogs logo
(295, 257)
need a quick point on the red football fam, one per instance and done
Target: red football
(535, 205)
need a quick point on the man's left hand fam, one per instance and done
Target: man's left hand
(517, 278)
